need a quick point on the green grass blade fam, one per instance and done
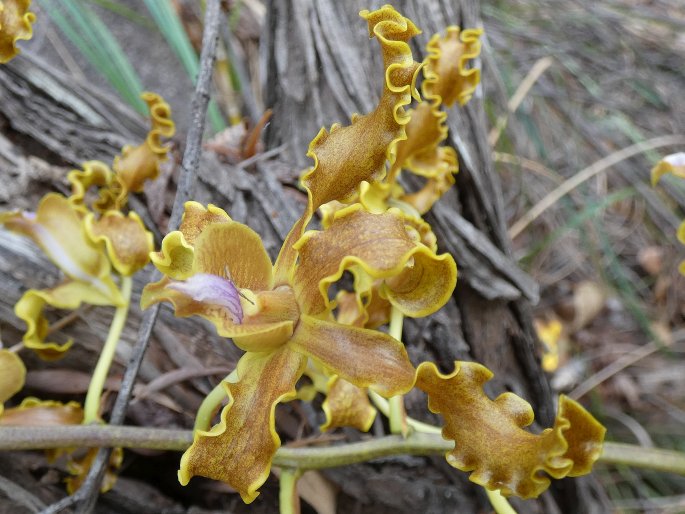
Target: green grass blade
(92, 37)
(172, 29)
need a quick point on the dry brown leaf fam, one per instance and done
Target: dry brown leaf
(651, 259)
(318, 491)
(588, 301)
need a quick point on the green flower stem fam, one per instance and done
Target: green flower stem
(396, 413)
(384, 406)
(93, 436)
(288, 499)
(499, 502)
(97, 382)
(209, 406)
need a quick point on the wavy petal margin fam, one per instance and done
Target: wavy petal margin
(347, 405)
(240, 448)
(58, 228)
(489, 436)
(15, 24)
(12, 375)
(138, 164)
(177, 255)
(93, 174)
(69, 295)
(452, 83)
(43, 413)
(127, 241)
(345, 156)
(383, 246)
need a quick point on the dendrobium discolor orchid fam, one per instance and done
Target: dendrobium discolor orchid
(283, 317)
(673, 164)
(15, 24)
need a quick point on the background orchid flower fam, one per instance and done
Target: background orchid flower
(15, 24)
(218, 269)
(12, 376)
(58, 228)
(675, 165)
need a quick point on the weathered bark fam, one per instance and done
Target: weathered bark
(318, 67)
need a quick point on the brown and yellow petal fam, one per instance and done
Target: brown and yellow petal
(79, 467)
(366, 358)
(15, 24)
(127, 241)
(383, 246)
(69, 295)
(94, 174)
(177, 254)
(141, 163)
(443, 79)
(12, 375)
(347, 405)
(345, 156)
(58, 228)
(490, 440)
(240, 448)
(45, 413)
(441, 165)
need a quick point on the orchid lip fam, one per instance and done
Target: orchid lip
(215, 290)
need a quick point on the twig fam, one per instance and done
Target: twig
(20, 495)
(619, 365)
(528, 82)
(589, 172)
(87, 494)
(91, 436)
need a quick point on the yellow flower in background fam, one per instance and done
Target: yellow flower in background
(58, 228)
(15, 24)
(218, 269)
(673, 164)
(12, 376)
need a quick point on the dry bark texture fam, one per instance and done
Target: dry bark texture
(318, 65)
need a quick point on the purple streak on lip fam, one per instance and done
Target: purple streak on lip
(207, 288)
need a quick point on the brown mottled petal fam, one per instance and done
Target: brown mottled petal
(69, 295)
(584, 436)
(367, 358)
(379, 245)
(251, 335)
(141, 163)
(423, 287)
(93, 174)
(126, 239)
(176, 257)
(347, 155)
(445, 80)
(425, 130)
(12, 375)
(57, 227)
(15, 24)
(240, 448)
(441, 165)
(489, 436)
(79, 468)
(236, 249)
(347, 405)
(35, 412)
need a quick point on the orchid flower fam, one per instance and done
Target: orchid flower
(12, 376)
(675, 165)
(15, 24)
(218, 269)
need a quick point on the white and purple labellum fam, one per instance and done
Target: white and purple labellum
(213, 289)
